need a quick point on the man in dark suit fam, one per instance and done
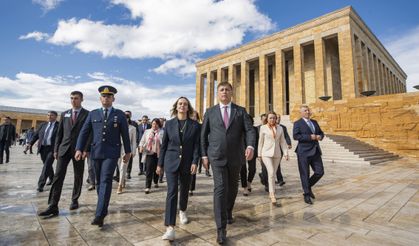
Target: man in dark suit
(225, 128)
(308, 134)
(68, 130)
(144, 125)
(7, 137)
(46, 135)
(107, 126)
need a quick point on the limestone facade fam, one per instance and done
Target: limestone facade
(390, 122)
(334, 55)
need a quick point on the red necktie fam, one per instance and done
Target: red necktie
(74, 118)
(226, 119)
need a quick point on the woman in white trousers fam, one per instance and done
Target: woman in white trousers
(271, 140)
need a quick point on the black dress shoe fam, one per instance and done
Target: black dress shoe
(49, 182)
(97, 221)
(115, 178)
(74, 205)
(230, 221)
(91, 187)
(281, 183)
(311, 195)
(221, 236)
(307, 199)
(40, 189)
(266, 189)
(49, 211)
(129, 176)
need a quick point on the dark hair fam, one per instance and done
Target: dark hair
(198, 118)
(190, 108)
(8, 117)
(158, 122)
(53, 112)
(127, 111)
(225, 84)
(77, 93)
(145, 116)
(263, 115)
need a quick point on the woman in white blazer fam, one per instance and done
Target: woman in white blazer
(271, 140)
(132, 130)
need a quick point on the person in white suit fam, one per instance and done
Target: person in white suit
(132, 130)
(271, 140)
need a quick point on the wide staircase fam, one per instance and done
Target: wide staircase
(342, 149)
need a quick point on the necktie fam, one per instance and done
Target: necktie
(45, 140)
(311, 126)
(106, 114)
(74, 118)
(225, 118)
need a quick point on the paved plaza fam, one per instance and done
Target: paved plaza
(354, 205)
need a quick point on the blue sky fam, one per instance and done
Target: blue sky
(147, 48)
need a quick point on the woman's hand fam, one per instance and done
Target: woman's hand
(159, 170)
(287, 157)
(193, 169)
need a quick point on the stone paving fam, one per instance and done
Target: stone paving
(354, 205)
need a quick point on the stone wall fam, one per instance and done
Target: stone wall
(390, 122)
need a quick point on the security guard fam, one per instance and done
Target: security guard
(107, 126)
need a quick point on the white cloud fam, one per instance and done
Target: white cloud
(166, 29)
(35, 91)
(48, 5)
(38, 36)
(179, 66)
(405, 50)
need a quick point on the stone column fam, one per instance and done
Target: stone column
(371, 71)
(365, 79)
(263, 85)
(210, 89)
(359, 71)
(296, 96)
(230, 74)
(346, 57)
(18, 125)
(376, 75)
(219, 76)
(319, 54)
(278, 83)
(380, 77)
(199, 101)
(34, 124)
(244, 84)
(385, 87)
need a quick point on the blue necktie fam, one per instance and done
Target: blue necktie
(311, 126)
(45, 142)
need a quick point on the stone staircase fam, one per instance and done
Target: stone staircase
(342, 149)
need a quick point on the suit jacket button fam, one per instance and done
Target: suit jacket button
(104, 133)
(180, 156)
(103, 140)
(104, 126)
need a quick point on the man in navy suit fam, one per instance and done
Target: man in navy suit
(308, 134)
(46, 135)
(107, 126)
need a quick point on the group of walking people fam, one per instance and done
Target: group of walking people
(226, 140)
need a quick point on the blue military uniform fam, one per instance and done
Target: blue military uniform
(105, 147)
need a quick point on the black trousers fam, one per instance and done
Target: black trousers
(173, 180)
(304, 164)
(151, 166)
(47, 158)
(129, 167)
(4, 147)
(59, 176)
(244, 176)
(140, 164)
(226, 184)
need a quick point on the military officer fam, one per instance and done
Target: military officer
(107, 125)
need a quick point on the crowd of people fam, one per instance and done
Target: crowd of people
(226, 139)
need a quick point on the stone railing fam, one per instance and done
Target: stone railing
(390, 122)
